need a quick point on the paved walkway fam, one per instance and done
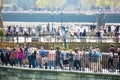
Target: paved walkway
(87, 70)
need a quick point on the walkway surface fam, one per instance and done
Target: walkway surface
(87, 70)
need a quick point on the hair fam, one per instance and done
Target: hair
(21, 50)
(13, 49)
(98, 49)
(57, 47)
(35, 51)
(96, 46)
(83, 49)
(76, 50)
(111, 45)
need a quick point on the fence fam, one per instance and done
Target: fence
(84, 64)
(86, 39)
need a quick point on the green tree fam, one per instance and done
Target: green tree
(108, 3)
(115, 3)
(2, 34)
(100, 3)
(55, 3)
(88, 3)
(41, 3)
(50, 3)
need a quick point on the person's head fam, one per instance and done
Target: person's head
(58, 47)
(35, 51)
(118, 50)
(98, 49)
(42, 47)
(8, 48)
(111, 45)
(64, 49)
(76, 50)
(13, 49)
(83, 49)
(94, 49)
(51, 48)
(70, 51)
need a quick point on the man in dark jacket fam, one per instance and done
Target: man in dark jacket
(58, 57)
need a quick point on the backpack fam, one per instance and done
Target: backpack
(95, 56)
(77, 56)
(12, 55)
(42, 53)
(29, 52)
(58, 54)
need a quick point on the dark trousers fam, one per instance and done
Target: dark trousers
(20, 62)
(7, 61)
(58, 62)
(110, 63)
(77, 64)
(12, 62)
(29, 59)
(33, 63)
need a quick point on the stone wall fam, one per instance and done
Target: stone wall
(9, 73)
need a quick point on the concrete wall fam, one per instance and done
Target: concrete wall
(9, 73)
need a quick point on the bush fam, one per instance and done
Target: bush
(71, 45)
(103, 46)
(2, 33)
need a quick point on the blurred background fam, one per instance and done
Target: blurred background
(68, 6)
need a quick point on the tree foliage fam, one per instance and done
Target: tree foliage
(100, 3)
(50, 3)
(41, 3)
(2, 33)
(88, 3)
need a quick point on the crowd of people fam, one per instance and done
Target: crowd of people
(73, 59)
(80, 31)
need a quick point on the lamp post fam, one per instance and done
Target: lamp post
(61, 18)
(63, 30)
(13, 35)
(52, 19)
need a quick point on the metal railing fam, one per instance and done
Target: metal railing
(50, 38)
(83, 64)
